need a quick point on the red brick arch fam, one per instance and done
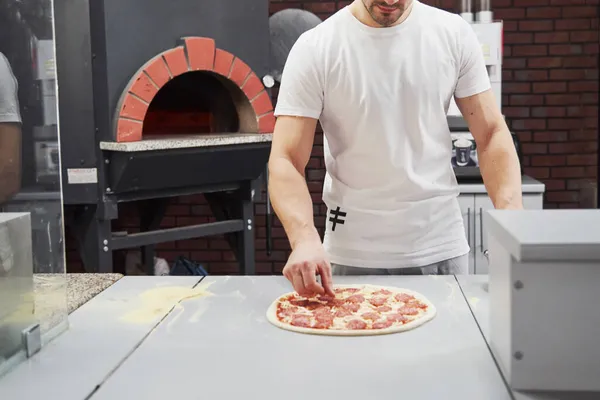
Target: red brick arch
(195, 54)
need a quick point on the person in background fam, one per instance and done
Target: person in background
(10, 133)
(380, 75)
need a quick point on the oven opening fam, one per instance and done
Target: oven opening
(197, 103)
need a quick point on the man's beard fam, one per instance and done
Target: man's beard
(385, 19)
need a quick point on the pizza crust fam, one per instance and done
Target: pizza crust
(426, 317)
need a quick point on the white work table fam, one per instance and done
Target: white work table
(231, 351)
(222, 347)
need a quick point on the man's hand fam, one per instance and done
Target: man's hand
(306, 260)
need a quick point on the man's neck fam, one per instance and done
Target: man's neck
(360, 12)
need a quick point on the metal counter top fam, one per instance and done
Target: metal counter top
(475, 288)
(222, 347)
(528, 185)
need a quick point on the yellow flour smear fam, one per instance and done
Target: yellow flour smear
(156, 303)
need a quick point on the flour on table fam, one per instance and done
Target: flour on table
(157, 302)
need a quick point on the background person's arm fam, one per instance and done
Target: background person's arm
(10, 160)
(498, 160)
(10, 133)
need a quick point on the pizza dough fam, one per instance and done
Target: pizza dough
(356, 310)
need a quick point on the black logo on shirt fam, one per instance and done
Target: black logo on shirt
(337, 217)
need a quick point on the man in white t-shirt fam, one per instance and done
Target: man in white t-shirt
(380, 75)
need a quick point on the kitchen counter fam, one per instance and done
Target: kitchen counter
(528, 184)
(80, 288)
(57, 295)
(133, 341)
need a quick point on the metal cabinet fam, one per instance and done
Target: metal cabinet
(473, 207)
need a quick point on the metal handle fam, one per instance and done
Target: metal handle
(481, 229)
(268, 81)
(486, 254)
(268, 215)
(468, 224)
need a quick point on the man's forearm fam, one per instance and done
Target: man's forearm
(10, 160)
(291, 201)
(501, 170)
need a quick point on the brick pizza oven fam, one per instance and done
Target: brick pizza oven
(158, 99)
(193, 88)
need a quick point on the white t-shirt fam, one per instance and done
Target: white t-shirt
(382, 96)
(9, 102)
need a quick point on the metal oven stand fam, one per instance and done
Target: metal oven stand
(154, 177)
(232, 207)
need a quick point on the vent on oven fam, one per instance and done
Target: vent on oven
(193, 89)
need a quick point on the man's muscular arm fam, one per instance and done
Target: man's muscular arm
(496, 152)
(300, 103)
(291, 149)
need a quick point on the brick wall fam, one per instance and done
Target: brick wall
(550, 98)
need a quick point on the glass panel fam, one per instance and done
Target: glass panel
(32, 266)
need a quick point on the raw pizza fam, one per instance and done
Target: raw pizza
(355, 310)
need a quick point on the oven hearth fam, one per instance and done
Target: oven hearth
(186, 141)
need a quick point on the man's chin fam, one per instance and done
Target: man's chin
(386, 19)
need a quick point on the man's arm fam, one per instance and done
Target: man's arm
(10, 160)
(498, 160)
(10, 133)
(299, 106)
(496, 152)
(290, 151)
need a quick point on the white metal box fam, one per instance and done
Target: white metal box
(544, 286)
(490, 38)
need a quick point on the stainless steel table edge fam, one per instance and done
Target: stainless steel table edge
(461, 280)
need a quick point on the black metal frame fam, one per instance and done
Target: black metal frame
(229, 188)
(232, 206)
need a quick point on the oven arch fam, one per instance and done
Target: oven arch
(196, 55)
